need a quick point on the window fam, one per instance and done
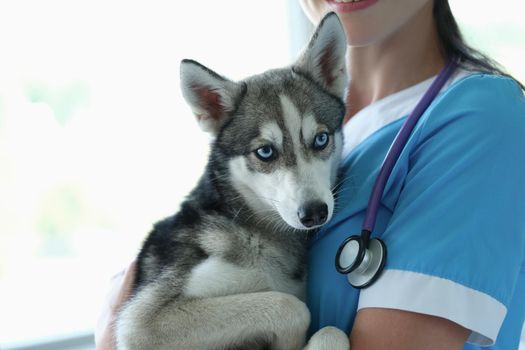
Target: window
(96, 142)
(498, 31)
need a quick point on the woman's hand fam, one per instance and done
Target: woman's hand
(119, 291)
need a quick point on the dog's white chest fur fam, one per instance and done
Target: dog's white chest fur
(218, 277)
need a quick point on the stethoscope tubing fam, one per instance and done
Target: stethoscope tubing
(400, 142)
(358, 273)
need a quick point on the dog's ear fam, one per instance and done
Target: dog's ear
(211, 97)
(324, 57)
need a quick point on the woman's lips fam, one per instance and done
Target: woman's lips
(345, 6)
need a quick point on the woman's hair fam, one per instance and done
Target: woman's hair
(455, 46)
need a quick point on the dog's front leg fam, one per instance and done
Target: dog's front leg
(329, 338)
(225, 322)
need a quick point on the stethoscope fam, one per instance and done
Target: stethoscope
(360, 258)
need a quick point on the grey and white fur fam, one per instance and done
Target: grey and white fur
(228, 270)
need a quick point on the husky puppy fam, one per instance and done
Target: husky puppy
(228, 270)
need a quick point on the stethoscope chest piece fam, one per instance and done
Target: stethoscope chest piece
(362, 265)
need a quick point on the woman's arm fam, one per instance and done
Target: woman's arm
(378, 328)
(119, 292)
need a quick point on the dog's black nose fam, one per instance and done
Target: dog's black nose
(313, 214)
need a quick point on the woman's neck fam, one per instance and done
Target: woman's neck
(409, 56)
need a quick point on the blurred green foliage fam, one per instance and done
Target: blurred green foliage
(497, 34)
(1, 113)
(63, 100)
(62, 211)
(504, 42)
(66, 211)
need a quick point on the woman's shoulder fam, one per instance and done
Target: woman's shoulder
(487, 90)
(484, 82)
(477, 101)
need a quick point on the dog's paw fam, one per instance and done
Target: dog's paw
(291, 322)
(328, 338)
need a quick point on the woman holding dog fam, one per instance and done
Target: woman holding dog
(453, 211)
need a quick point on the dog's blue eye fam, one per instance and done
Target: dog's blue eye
(265, 153)
(320, 141)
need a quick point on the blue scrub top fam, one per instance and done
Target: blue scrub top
(452, 217)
